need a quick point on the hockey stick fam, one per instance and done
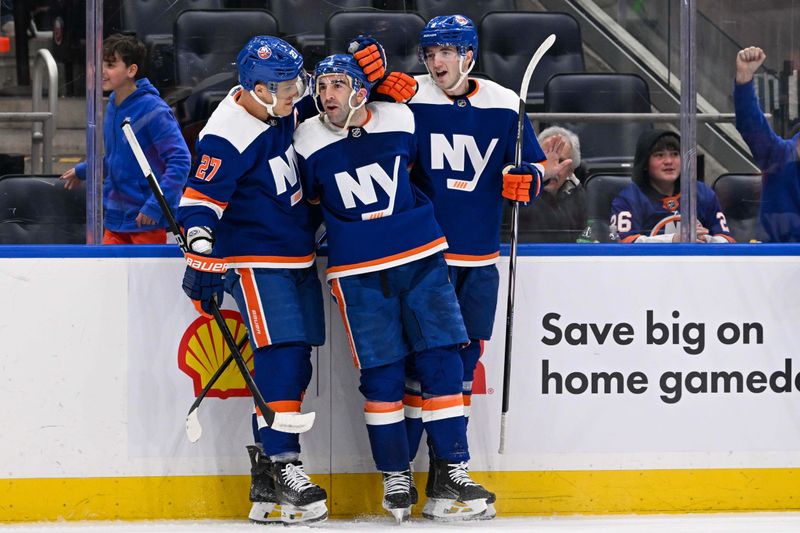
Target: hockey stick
(193, 429)
(512, 265)
(285, 422)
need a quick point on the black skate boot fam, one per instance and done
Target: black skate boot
(265, 508)
(300, 499)
(399, 494)
(452, 495)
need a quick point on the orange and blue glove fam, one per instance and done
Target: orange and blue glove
(396, 87)
(369, 55)
(522, 182)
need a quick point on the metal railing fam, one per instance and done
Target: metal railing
(44, 122)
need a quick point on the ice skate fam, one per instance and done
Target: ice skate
(399, 494)
(452, 495)
(300, 500)
(265, 508)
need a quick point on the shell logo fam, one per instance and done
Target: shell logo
(202, 351)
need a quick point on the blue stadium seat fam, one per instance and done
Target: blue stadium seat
(39, 210)
(207, 42)
(740, 198)
(151, 21)
(397, 32)
(601, 142)
(508, 41)
(474, 9)
(601, 189)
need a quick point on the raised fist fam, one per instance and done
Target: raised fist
(747, 62)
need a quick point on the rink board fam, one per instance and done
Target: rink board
(640, 383)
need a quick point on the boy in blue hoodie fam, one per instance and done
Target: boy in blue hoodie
(131, 212)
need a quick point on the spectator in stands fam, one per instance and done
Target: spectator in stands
(778, 158)
(7, 17)
(131, 213)
(559, 215)
(648, 210)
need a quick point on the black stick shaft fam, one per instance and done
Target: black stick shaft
(266, 411)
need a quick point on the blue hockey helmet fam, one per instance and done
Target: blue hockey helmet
(449, 30)
(342, 64)
(268, 60)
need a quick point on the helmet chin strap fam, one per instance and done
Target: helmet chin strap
(269, 107)
(463, 73)
(343, 129)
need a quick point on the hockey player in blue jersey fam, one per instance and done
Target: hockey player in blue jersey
(244, 208)
(389, 279)
(467, 132)
(648, 210)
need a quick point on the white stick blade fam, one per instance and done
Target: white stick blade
(193, 427)
(293, 422)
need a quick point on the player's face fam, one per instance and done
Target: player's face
(283, 97)
(115, 73)
(442, 63)
(664, 167)
(334, 93)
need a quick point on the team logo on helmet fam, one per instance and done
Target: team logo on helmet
(461, 19)
(265, 52)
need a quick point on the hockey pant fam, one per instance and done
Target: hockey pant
(282, 373)
(414, 398)
(441, 408)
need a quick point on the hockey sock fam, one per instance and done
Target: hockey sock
(469, 358)
(412, 404)
(382, 388)
(282, 373)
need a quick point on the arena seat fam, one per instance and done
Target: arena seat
(474, 9)
(601, 142)
(307, 32)
(508, 41)
(207, 42)
(740, 198)
(151, 21)
(601, 189)
(397, 32)
(39, 210)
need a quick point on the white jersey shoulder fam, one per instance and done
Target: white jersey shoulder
(490, 95)
(388, 117)
(233, 123)
(317, 133)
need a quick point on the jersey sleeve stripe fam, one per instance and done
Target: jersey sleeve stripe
(192, 197)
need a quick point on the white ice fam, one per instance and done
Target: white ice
(705, 523)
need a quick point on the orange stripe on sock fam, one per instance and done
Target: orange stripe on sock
(284, 406)
(412, 400)
(382, 407)
(442, 402)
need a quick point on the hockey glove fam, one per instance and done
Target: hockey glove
(203, 279)
(396, 87)
(370, 56)
(522, 181)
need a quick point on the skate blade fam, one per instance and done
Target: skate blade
(400, 514)
(314, 512)
(443, 510)
(275, 513)
(265, 513)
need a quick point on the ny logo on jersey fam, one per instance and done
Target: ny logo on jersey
(441, 149)
(285, 171)
(362, 187)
